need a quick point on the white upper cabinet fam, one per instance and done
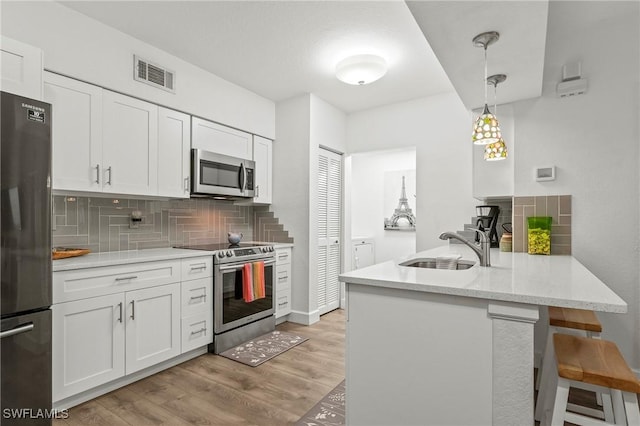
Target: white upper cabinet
(263, 157)
(174, 141)
(21, 68)
(77, 133)
(130, 145)
(220, 139)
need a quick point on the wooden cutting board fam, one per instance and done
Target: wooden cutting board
(64, 252)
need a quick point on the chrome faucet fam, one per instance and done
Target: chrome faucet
(482, 250)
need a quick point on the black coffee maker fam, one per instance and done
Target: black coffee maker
(487, 219)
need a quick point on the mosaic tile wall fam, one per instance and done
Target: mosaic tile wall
(556, 206)
(104, 224)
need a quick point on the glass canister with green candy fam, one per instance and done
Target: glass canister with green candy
(539, 235)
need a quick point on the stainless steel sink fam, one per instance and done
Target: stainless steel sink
(430, 263)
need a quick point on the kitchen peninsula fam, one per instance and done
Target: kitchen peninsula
(429, 346)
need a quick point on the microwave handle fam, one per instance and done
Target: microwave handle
(243, 176)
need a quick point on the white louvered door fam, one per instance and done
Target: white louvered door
(329, 225)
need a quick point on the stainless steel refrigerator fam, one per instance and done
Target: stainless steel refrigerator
(25, 267)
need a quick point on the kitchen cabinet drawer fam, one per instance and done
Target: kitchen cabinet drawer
(197, 330)
(91, 282)
(197, 296)
(283, 276)
(283, 303)
(283, 255)
(197, 267)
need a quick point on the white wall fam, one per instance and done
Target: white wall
(290, 202)
(367, 201)
(439, 128)
(593, 141)
(83, 48)
(303, 124)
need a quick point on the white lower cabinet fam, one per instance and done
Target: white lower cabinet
(152, 326)
(126, 318)
(197, 303)
(283, 282)
(88, 344)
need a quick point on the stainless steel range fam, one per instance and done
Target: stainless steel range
(234, 320)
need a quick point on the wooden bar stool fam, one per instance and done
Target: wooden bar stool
(582, 322)
(599, 365)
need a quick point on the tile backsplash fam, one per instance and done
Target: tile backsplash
(556, 206)
(104, 224)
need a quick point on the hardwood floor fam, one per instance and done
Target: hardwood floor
(214, 390)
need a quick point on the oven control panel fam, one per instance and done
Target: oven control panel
(245, 253)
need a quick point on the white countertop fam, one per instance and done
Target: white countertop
(95, 260)
(514, 277)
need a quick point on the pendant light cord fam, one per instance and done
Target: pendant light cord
(485, 74)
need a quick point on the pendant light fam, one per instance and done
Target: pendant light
(497, 150)
(486, 129)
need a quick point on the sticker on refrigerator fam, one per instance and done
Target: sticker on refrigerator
(35, 115)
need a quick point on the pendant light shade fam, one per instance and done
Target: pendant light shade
(497, 150)
(486, 129)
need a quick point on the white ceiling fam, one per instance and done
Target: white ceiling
(281, 49)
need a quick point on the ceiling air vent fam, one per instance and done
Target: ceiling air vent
(153, 74)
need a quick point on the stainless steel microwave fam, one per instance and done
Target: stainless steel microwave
(216, 174)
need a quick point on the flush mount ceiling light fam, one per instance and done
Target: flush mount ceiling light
(361, 69)
(497, 150)
(486, 129)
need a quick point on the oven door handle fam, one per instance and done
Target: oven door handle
(237, 266)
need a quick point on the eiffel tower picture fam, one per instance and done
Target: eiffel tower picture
(403, 218)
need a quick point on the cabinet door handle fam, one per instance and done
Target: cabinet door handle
(98, 173)
(133, 310)
(258, 191)
(202, 296)
(186, 183)
(130, 277)
(199, 266)
(120, 307)
(282, 278)
(202, 330)
(283, 304)
(109, 180)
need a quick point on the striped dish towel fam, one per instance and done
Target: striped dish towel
(253, 286)
(259, 290)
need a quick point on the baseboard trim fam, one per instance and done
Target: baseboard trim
(304, 318)
(85, 396)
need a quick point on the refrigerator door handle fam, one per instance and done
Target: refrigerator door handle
(21, 329)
